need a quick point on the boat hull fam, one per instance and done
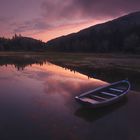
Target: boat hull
(86, 100)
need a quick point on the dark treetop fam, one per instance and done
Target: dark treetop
(119, 35)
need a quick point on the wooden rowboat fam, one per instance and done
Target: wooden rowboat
(105, 95)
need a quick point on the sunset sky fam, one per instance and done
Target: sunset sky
(47, 19)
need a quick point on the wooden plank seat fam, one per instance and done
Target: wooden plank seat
(109, 94)
(115, 89)
(97, 97)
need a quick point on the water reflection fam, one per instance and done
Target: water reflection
(92, 115)
(37, 102)
(110, 75)
(22, 61)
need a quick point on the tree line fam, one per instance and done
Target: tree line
(20, 43)
(119, 35)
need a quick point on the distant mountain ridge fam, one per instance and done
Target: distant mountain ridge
(119, 35)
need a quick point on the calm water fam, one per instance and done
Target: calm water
(37, 103)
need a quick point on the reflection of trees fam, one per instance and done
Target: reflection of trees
(109, 75)
(106, 74)
(20, 62)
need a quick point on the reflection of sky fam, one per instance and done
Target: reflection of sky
(57, 80)
(42, 96)
(48, 82)
(38, 103)
(49, 78)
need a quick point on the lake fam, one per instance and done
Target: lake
(37, 102)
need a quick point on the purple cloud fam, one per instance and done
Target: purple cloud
(85, 9)
(41, 15)
(31, 25)
(4, 19)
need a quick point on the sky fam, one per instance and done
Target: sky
(48, 19)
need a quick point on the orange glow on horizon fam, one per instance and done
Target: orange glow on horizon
(58, 31)
(65, 30)
(51, 68)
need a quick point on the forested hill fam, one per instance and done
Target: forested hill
(119, 35)
(19, 43)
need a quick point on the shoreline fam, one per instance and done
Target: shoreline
(107, 67)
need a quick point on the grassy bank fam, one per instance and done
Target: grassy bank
(107, 67)
(87, 60)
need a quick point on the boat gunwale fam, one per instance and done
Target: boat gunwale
(104, 87)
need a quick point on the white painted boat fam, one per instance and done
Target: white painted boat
(104, 95)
